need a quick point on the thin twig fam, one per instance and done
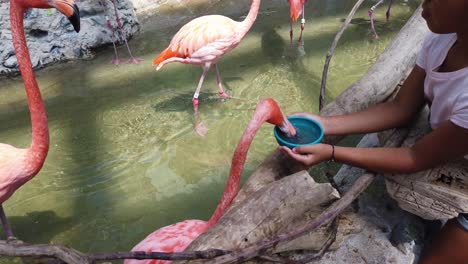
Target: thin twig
(325, 246)
(68, 255)
(190, 255)
(332, 50)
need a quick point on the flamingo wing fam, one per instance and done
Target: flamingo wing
(173, 238)
(15, 171)
(203, 32)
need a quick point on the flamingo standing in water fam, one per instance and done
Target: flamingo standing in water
(177, 237)
(371, 15)
(116, 60)
(297, 7)
(17, 166)
(203, 41)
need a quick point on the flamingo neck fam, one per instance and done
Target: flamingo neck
(37, 152)
(261, 115)
(251, 16)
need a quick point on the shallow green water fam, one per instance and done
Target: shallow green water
(124, 158)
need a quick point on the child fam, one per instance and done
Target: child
(439, 78)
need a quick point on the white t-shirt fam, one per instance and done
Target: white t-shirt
(447, 92)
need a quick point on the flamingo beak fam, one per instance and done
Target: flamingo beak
(70, 10)
(288, 128)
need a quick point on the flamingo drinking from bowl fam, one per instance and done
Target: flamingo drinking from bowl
(116, 60)
(177, 237)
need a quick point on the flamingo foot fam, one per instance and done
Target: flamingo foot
(224, 95)
(195, 103)
(116, 61)
(134, 60)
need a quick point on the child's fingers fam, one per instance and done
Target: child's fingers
(299, 157)
(286, 150)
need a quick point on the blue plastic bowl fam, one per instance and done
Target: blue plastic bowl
(309, 132)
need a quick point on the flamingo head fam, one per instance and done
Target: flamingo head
(277, 118)
(295, 9)
(66, 7)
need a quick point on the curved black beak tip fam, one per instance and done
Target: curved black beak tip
(75, 18)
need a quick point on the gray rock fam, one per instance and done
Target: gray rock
(11, 63)
(51, 38)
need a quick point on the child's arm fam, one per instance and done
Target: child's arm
(447, 142)
(395, 113)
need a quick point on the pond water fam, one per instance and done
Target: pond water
(124, 158)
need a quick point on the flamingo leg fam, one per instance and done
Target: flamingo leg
(301, 40)
(116, 60)
(387, 14)
(371, 16)
(222, 94)
(200, 83)
(6, 226)
(291, 34)
(132, 59)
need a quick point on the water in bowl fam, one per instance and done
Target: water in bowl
(304, 134)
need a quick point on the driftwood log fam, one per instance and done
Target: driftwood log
(437, 193)
(268, 210)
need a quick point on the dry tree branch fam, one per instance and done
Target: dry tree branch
(326, 245)
(68, 255)
(323, 88)
(16, 248)
(332, 51)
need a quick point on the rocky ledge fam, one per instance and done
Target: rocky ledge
(51, 38)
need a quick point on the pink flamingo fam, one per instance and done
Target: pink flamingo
(297, 7)
(177, 237)
(117, 60)
(371, 15)
(203, 41)
(17, 166)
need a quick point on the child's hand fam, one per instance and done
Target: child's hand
(309, 155)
